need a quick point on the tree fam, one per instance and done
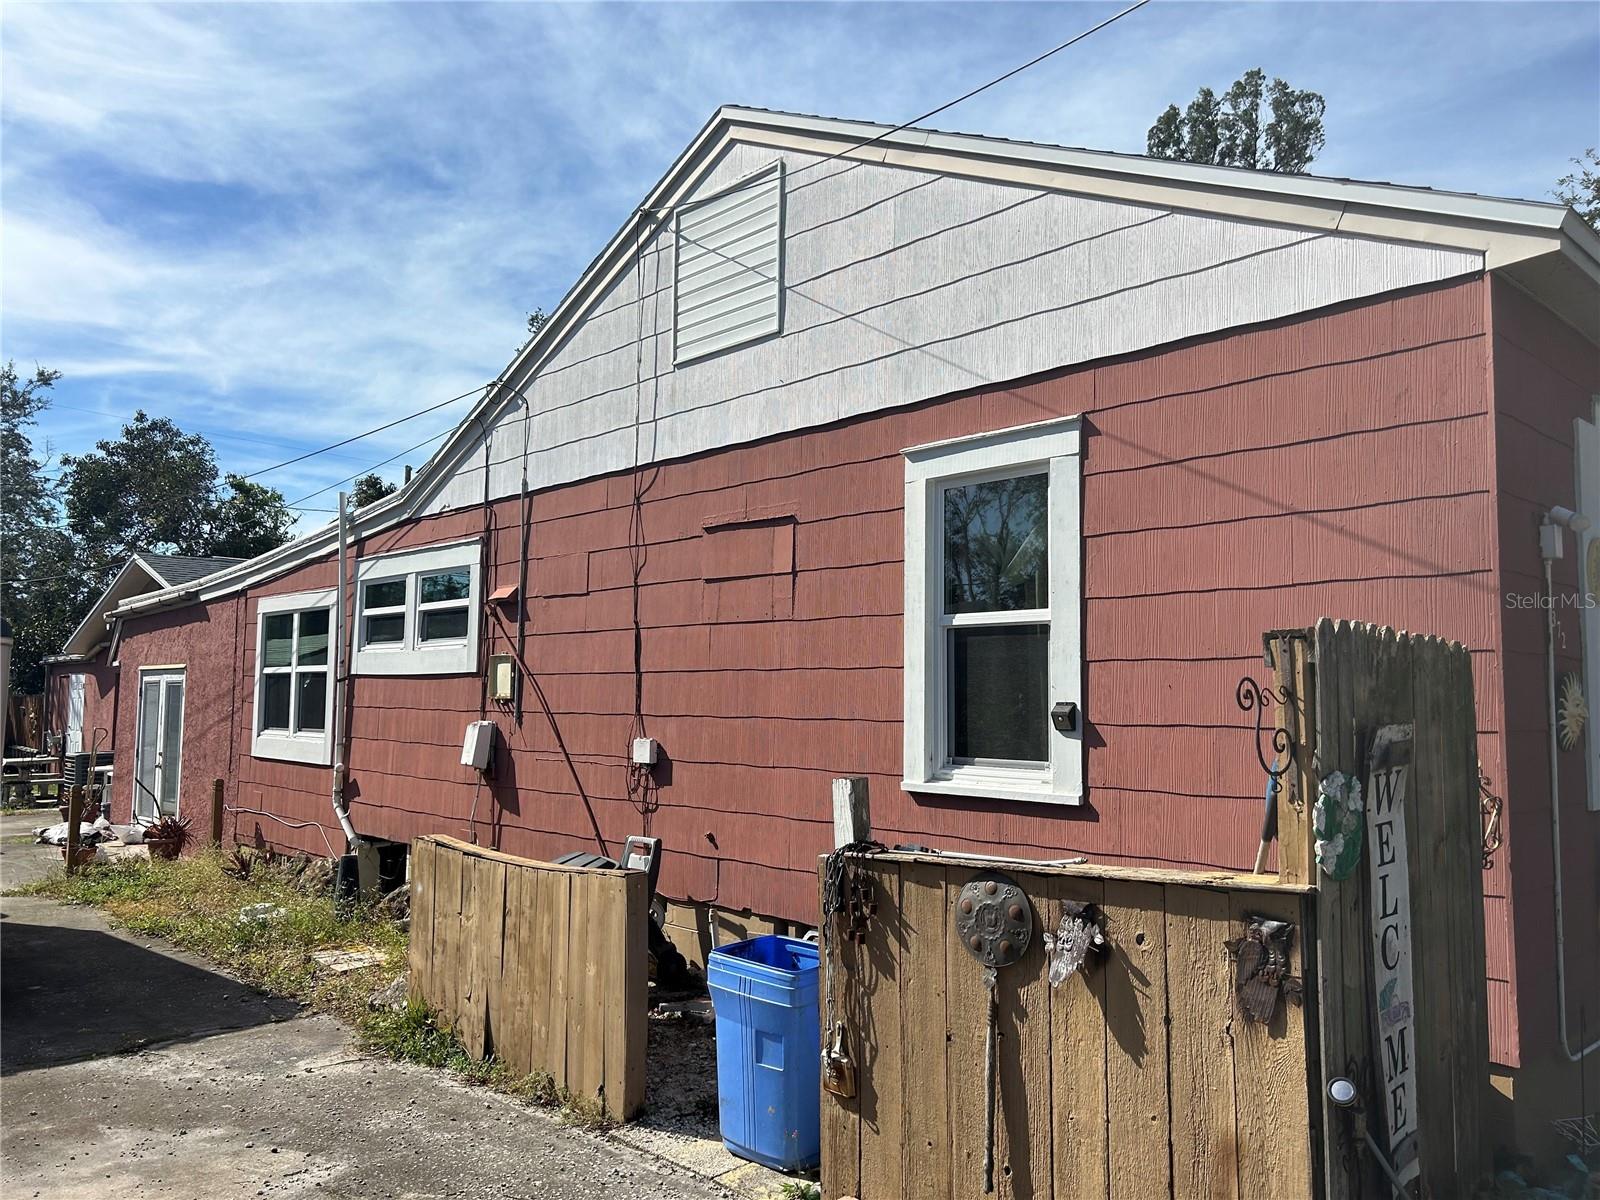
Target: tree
(1229, 133)
(536, 320)
(368, 488)
(155, 488)
(1580, 189)
(249, 521)
(40, 593)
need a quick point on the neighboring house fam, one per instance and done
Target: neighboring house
(856, 459)
(81, 684)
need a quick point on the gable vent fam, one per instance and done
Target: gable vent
(729, 267)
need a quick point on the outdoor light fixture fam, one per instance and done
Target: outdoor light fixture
(1343, 1093)
(1556, 519)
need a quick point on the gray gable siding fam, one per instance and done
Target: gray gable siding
(901, 285)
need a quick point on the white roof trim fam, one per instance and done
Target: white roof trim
(1507, 231)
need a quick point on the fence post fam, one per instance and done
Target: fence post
(1294, 677)
(74, 816)
(216, 812)
(851, 816)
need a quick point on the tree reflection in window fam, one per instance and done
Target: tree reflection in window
(996, 545)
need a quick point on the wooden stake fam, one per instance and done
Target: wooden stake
(74, 815)
(216, 812)
(851, 814)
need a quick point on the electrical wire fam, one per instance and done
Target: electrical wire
(933, 112)
(357, 437)
(351, 478)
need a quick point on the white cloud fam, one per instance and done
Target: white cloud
(291, 222)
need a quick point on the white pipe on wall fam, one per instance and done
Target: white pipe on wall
(1549, 550)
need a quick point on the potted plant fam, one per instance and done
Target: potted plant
(167, 837)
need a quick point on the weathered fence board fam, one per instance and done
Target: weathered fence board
(1119, 1082)
(1368, 677)
(541, 965)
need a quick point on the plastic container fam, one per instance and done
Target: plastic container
(769, 1075)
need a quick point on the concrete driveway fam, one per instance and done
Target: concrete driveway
(130, 1069)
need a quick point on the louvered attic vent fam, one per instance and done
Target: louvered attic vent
(729, 267)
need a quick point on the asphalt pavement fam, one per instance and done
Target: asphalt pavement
(128, 1068)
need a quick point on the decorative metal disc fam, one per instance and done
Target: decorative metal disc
(994, 920)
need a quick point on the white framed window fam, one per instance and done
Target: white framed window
(294, 677)
(728, 266)
(993, 615)
(417, 611)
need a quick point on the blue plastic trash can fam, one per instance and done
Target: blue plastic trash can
(769, 1075)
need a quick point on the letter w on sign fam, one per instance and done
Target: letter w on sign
(1388, 770)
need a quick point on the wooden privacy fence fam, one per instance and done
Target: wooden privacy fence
(1136, 1077)
(540, 964)
(1415, 900)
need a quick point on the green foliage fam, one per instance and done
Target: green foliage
(369, 488)
(1229, 133)
(799, 1189)
(154, 487)
(40, 596)
(1580, 189)
(536, 320)
(193, 903)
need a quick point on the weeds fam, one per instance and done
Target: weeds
(799, 1189)
(414, 1035)
(195, 903)
(192, 903)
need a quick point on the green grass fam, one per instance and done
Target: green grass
(195, 904)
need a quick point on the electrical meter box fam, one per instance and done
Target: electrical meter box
(502, 677)
(477, 750)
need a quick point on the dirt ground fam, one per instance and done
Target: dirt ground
(130, 1069)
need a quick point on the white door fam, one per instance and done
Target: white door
(74, 714)
(158, 754)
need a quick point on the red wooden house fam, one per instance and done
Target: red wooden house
(859, 451)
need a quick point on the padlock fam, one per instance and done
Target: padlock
(838, 1072)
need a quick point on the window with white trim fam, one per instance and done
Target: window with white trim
(993, 615)
(294, 678)
(417, 612)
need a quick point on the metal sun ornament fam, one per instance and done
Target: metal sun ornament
(1572, 712)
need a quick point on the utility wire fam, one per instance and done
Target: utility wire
(357, 437)
(351, 478)
(933, 112)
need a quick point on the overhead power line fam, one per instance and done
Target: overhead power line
(949, 104)
(300, 503)
(357, 437)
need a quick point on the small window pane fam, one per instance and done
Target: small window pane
(391, 593)
(443, 624)
(996, 551)
(275, 701)
(446, 585)
(313, 637)
(312, 710)
(999, 693)
(277, 640)
(386, 630)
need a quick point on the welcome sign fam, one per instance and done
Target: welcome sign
(1388, 769)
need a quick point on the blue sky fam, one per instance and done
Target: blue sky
(283, 224)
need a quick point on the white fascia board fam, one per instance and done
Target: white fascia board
(99, 614)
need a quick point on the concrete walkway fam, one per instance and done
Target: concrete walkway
(131, 1069)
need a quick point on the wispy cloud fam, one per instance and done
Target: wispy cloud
(281, 224)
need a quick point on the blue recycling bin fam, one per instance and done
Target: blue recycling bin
(769, 1074)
